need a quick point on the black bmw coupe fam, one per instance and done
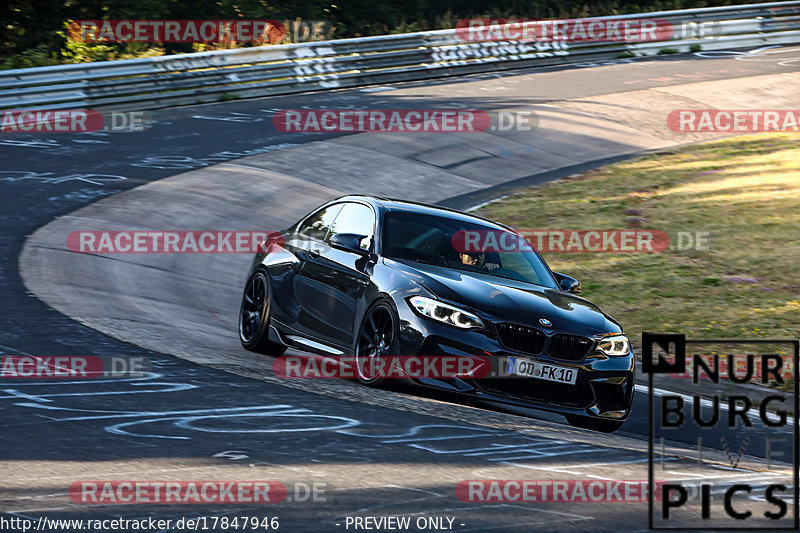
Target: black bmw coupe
(367, 277)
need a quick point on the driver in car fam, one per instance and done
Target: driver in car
(477, 260)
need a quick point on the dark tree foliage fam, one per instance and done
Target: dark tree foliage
(31, 26)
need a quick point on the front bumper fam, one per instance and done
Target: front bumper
(604, 387)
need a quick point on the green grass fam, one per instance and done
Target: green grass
(745, 191)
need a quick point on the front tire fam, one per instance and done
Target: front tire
(254, 317)
(595, 424)
(377, 338)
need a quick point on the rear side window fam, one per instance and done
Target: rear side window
(317, 225)
(355, 218)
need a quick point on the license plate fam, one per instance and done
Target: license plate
(522, 366)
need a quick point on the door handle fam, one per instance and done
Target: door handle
(314, 252)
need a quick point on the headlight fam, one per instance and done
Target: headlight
(616, 345)
(444, 313)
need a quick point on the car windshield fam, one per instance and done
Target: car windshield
(461, 245)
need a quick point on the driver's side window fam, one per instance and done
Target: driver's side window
(317, 225)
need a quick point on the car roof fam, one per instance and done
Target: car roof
(391, 204)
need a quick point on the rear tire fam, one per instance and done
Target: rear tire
(595, 424)
(254, 317)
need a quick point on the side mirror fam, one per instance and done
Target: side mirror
(567, 283)
(349, 242)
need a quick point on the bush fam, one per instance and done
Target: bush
(78, 51)
(35, 57)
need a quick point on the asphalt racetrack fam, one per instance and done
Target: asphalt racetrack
(209, 410)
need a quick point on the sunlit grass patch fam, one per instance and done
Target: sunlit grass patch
(744, 191)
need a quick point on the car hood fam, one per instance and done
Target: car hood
(507, 299)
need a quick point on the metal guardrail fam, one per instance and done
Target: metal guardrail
(150, 83)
